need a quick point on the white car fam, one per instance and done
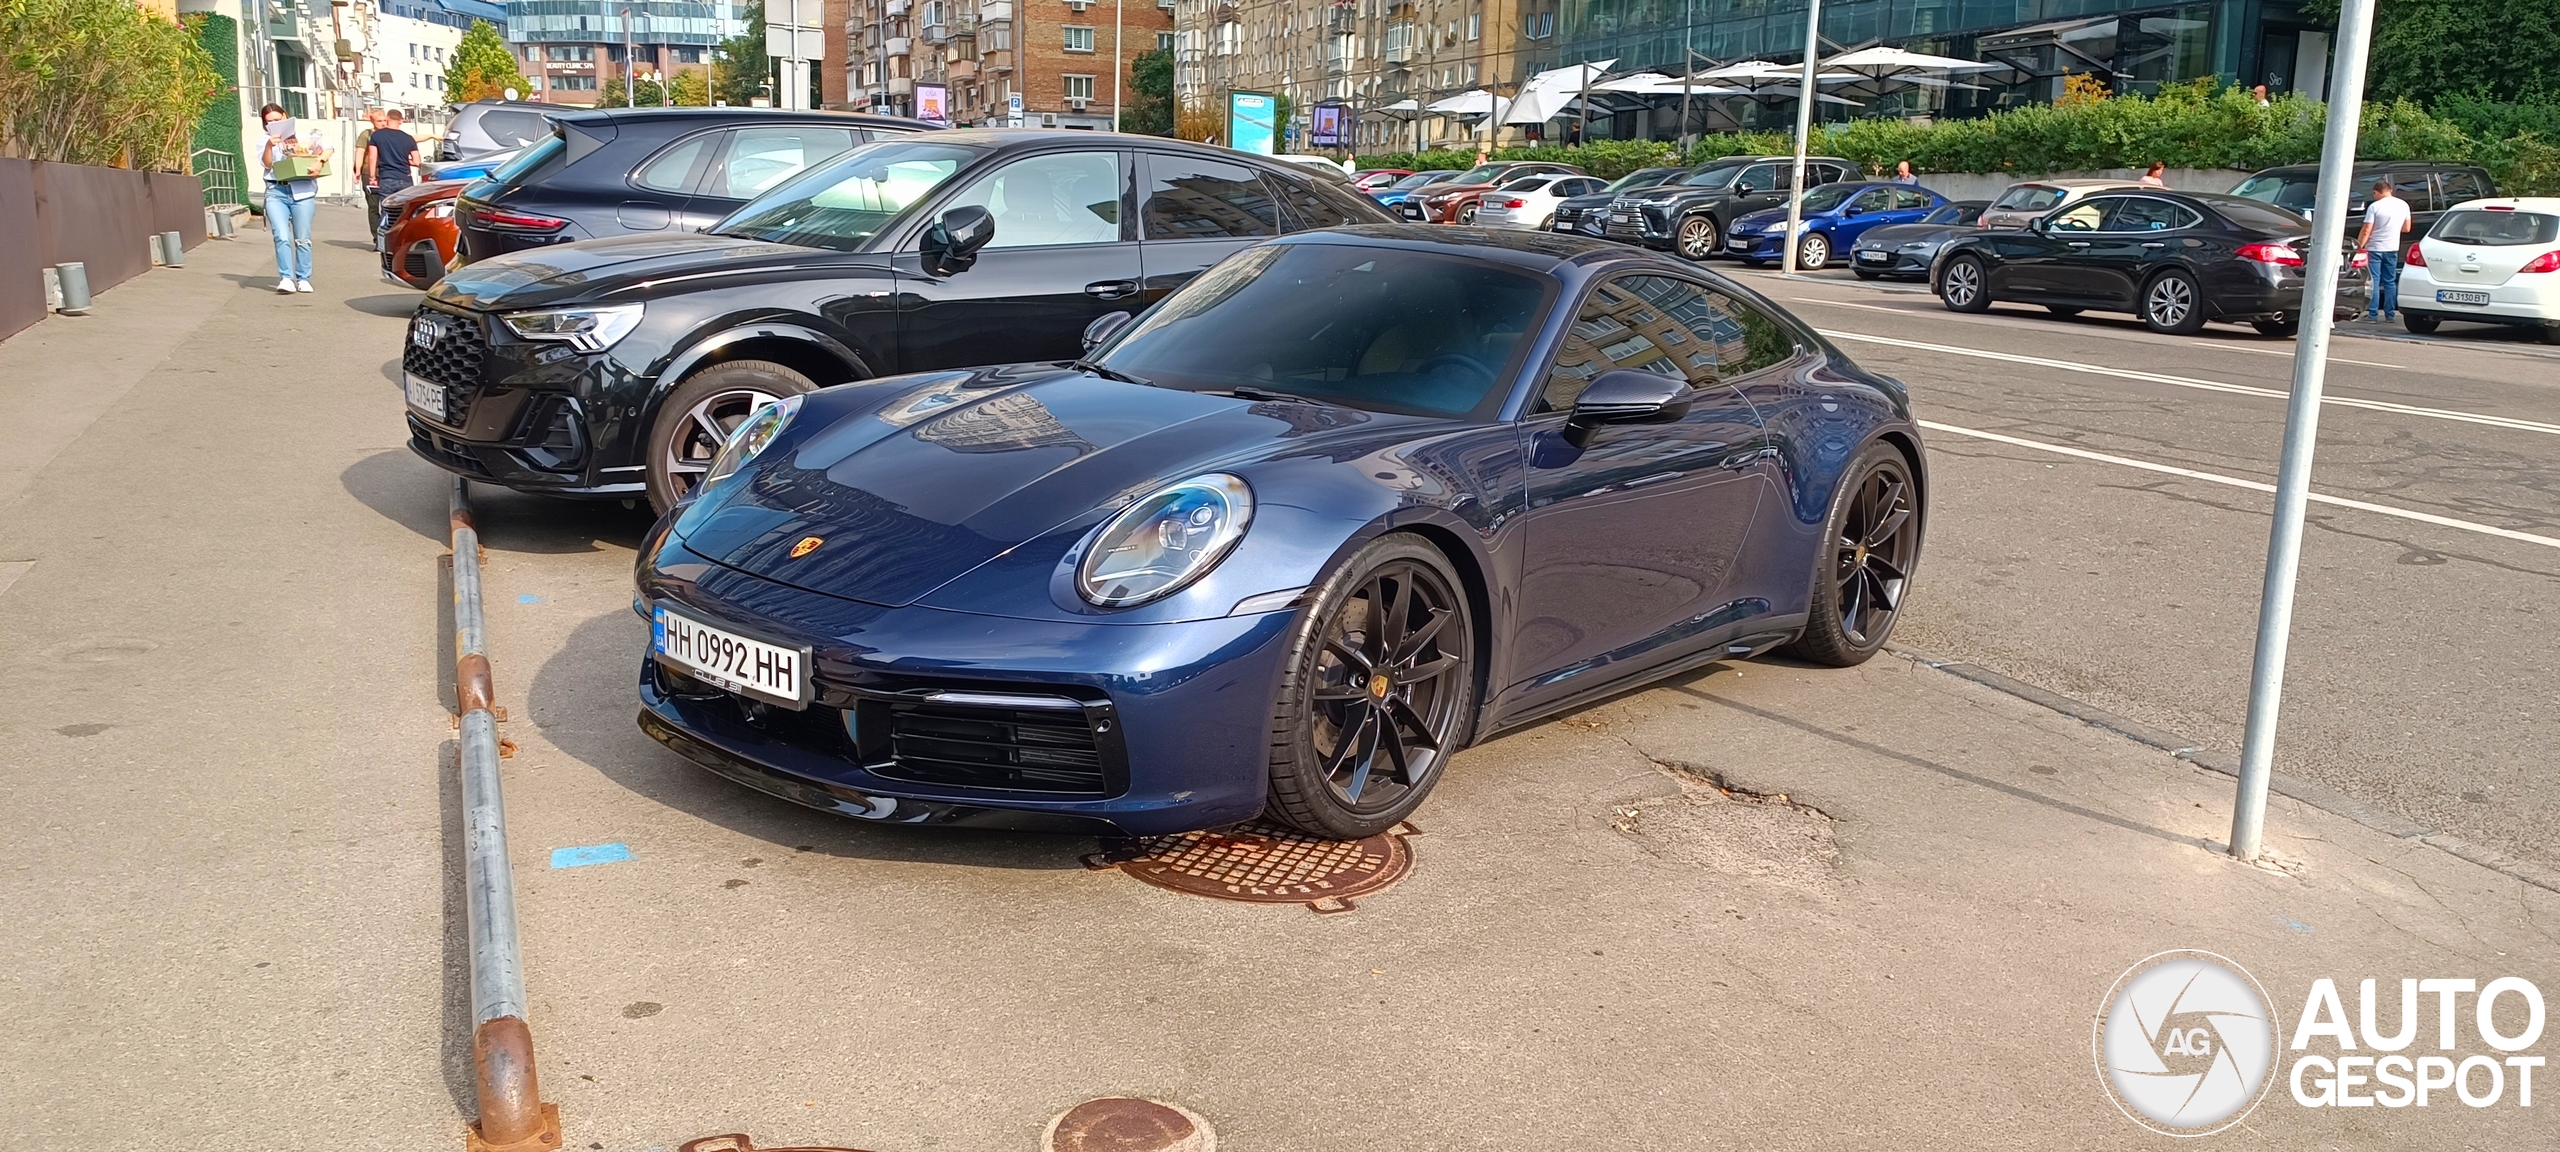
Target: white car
(1530, 202)
(2494, 261)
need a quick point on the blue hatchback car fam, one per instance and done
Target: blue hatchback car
(1835, 215)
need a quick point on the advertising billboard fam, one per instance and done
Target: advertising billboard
(933, 103)
(1329, 129)
(1251, 125)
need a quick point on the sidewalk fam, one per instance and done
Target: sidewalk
(1764, 906)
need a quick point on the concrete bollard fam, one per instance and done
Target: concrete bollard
(173, 249)
(224, 226)
(75, 287)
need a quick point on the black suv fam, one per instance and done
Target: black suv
(2429, 187)
(616, 171)
(1689, 215)
(617, 368)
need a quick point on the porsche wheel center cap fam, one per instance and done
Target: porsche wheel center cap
(1378, 685)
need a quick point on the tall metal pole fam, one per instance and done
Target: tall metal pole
(630, 91)
(1804, 132)
(2301, 424)
(1116, 66)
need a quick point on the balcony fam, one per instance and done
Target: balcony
(902, 46)
(995, 11)
(937, 34)
(964, 70)
(964, 26)
(902, 86)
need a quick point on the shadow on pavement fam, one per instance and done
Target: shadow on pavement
(397, 307)
(417, 495)
(583, 700)
(404, 489)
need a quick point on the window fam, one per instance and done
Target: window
(2038, 197)
(2144, 214)
(1475, 26)
(1759, 178)
(2496, 229)
(573, 84)
(1910, 198)
(570, 53)
(760, 158)
(1164, 41)
(845, 204)
(2084, 216)
(1873, 200)
(998, 37)
(1539, 25)
(2461, 184)
(1078, 39)
(413, 51)
(1666, 326)
(1189, 199)
(1078, 87)
(678, 168)
(1305, 205)
(1044, 201)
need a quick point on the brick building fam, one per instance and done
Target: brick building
(1365, 55)
(979, 54)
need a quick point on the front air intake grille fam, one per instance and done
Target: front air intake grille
(1070, 750)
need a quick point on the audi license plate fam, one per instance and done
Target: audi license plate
(425, 395)
(724, 659)
(2454, 296)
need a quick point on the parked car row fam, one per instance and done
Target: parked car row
(1121, 485)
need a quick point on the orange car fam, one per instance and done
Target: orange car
(416, 235)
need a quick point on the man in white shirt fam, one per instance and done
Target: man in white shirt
(2386, 219)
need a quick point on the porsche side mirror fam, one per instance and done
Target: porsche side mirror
(952, 244)
(1103, 328)
(1626, 396)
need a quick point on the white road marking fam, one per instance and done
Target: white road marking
(2237, 482)
(2205, 385)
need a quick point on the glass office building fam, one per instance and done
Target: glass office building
(652, 22)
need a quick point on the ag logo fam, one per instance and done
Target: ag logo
(2184, 1043)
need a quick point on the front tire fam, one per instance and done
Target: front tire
(1862, 571)
(1697, 237)
(1378, 693)
(1964, 286)
(1467, 214)
(1813, 252)
(695, 421)
(2172, 306)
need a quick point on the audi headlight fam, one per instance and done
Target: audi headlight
(750, 438)
(1167, 539)
(585, 329)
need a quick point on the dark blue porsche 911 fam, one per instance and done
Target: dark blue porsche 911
(1342, 505)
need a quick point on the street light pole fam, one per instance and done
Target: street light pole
(1804, 132)
(2301, 425)
(630, 91)
(1117, 24)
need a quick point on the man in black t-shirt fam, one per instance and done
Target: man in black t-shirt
(390, 163)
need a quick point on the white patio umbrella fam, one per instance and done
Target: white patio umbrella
(1473, 102)
(1882, 69)
(1548, 94)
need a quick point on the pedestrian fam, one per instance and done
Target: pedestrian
(390, 164)
(1902, 174)
(2386, 219)
(2261, 93)
(292, 196)
(2153, 177)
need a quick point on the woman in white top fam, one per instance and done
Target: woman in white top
(290, 203)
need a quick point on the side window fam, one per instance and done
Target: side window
(1042, 201)
(1190, 199)
(2412, 185)
(1301, 208)
(1910, 198)
(2461, 184)
(1657, 324)
(678, 168)
(2085, 216)
(2144, 214)
(760, 158)
(1758, 178)
(1873, 200)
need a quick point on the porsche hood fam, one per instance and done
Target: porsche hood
(909, 483)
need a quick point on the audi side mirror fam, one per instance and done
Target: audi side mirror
(952, 244)
(1626, 396)
(1103, 328)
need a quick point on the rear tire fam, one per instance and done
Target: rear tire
(694, 421)
(2422, 325)
(1964, 286)
(1373, 703)
(2172, 306)
(1467, 214)
(1862, 567)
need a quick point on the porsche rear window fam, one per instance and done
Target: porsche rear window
(1382, 329)
(2496, 229)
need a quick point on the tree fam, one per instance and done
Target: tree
(2427, 50)
(100, 82)
(1150, 111)
(646, 93)
(740, 68)
(482, 68)
(692, 89)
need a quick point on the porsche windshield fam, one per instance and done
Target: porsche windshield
(1375, 328)
(844, 204)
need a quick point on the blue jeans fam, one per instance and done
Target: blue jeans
(289, 221)
(2384, 304)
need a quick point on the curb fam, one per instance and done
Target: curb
(2317, 795)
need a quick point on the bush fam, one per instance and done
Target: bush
(100, 82)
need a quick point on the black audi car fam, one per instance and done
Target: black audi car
(1690, 215)
(616, 368)
(1589, 215)
(2176, 259)
(1908, 251)
(617, 171)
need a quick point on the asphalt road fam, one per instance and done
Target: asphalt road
(2423, 659)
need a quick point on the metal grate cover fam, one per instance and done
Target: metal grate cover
(1266, 863)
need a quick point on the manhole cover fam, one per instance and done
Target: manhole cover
(1265, 863)
(1128, 1124)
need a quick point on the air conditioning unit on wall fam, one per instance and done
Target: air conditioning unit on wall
(1077, 103)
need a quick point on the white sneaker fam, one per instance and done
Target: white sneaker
(301, 285)
(285, 285)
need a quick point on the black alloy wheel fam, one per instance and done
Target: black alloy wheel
(1378, 693)
(1863, 571)
(695, 420)
(1963, 285)
(2171, 305)
(1698, 237)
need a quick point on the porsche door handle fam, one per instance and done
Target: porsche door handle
(1111, 289)
(2079, 243)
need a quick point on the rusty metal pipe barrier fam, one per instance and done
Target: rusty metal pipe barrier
(513, 1117)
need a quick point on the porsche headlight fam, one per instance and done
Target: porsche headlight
(585, 329)
(750, 438)
(1167, 539)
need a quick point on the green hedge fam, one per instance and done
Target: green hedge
(2198, 125)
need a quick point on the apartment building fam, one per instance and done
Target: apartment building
(572, 48)
(979, 57)
(1364, 55)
